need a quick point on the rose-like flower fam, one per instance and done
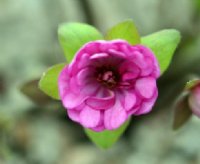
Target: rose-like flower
(107, 82)
(194, 99)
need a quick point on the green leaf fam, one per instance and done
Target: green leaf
(163, 44)
(106, 138)
(73, 36)
(49, 81)
(125, 30)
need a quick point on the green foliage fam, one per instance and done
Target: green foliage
(73, 36)
(163, 44)
(49, 81)
(125, 30)
(106, 139)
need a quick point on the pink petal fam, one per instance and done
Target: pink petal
(146, 87)
(115, 116)
(146, 106)
(148, 53)
(98, 128)
(129, 76)
(84, 75)
(99, 55)
(194, 101)
(89, 118)
(129, 67)
(73, 114)
(89, 89)
(83, 62)
(71, 100)
(100, 125)
(104, 46)
(129, 100)
(196, 93)
(101, 103)
(63, 81)
(73, 85)
(138, 59)
(126, 49)
(133, 111)
(92, 47)
(116, 53)
(149, 67)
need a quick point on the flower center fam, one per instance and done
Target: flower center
(108, 78)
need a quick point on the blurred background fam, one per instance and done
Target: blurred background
(37, 130)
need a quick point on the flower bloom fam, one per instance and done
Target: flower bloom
(108, 81)
(194, 99)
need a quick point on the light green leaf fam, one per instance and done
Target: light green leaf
(163, 44)
(125, 30)
(73, 36)
(49, 81)
(106, 139)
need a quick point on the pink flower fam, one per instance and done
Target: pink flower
(107, 82)
(194, 100)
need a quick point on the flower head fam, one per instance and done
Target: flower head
(107, 82)
(194, 99)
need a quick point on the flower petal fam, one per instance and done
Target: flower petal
(130, 76)
(146, 106)
(71, 100)
(139, 60)
(89, 118)
(116, 53)
(63, 81)
(146, 87)
(99, 55)
(84, 75)
(129, 100)
(101, 103)
(149, 67)
(90, 89)
(73, 114)
(115, 116)
(194, 101)
(149, 54)
(99, 128)
(82, 62)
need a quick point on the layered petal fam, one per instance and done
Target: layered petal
(73, 115)
(100, 103)
(115, 116)
(129, 100)
(146, 87)
(71, 100)
(89, 117)
(108, 81)
(146, 106)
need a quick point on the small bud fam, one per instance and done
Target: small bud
(194, 98)
(182, 111)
